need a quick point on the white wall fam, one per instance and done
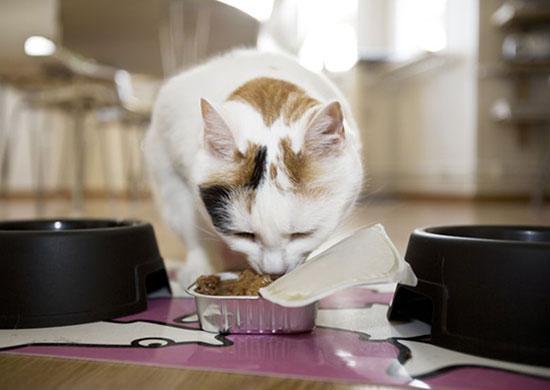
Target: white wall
(374, 35)
(420, 121)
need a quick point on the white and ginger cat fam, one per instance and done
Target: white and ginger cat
(256, 150)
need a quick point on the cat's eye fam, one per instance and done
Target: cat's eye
(298, 235)
(246, 235)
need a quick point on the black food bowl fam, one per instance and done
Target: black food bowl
(63, 271)
(484, 289)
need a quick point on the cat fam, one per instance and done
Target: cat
(252, 150)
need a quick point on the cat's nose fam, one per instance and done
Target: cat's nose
(273, 262)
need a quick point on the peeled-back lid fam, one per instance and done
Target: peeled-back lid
(367, 256)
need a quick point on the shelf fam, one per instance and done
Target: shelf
(510, 16)
(520, 113)
(529, 66)
(515, 69)
(422, 64)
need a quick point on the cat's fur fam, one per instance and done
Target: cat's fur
(257, 149)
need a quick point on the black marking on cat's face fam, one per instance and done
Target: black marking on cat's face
(258, 172)
(215, 199)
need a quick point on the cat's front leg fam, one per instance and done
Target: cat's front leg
(203, 247)
(177, 204)
(204, 252)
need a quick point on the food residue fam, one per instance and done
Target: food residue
(247, 284)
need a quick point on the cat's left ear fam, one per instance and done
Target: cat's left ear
(325, 132)
(218, 139)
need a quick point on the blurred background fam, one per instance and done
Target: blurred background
(452, 98)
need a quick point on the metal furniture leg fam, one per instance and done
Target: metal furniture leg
(36, 144)
(132, 180)
(79, 157)
(142, 171)
(105, 164)
(543, 169)
(7, 146)
(3, 137)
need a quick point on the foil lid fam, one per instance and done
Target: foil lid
(365, 257)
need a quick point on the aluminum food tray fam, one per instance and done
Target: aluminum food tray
(250, 314)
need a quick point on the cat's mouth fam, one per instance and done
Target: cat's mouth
(275, 270)
(274, 275)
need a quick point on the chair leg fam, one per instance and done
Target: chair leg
(7, 146)
(121, 128)
(138, 173)
(36, 144)
(142, 171)
(132, 173)
(129, 159)
(3, 140)
(105, 165)
(543, 170)
(79, 150)
(63, 169)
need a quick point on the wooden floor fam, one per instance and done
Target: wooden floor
(22, 372)
(399, 217)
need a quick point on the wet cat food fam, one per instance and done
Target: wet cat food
(248, 283)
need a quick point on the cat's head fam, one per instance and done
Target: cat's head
(275, 190)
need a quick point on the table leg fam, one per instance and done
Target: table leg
(79, 158)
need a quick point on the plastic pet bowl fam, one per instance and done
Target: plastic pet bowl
(61, 272)
(484, 289)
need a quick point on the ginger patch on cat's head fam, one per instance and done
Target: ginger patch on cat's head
(297, 165)
(274, 99)
(246, 170)
(323, 140)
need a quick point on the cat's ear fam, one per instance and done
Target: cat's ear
(218, 139)
(325, 132)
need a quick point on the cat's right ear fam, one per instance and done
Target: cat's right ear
(218, 139)
(325, 134)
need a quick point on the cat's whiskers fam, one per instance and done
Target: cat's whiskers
(209, 239)
(205, 231)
